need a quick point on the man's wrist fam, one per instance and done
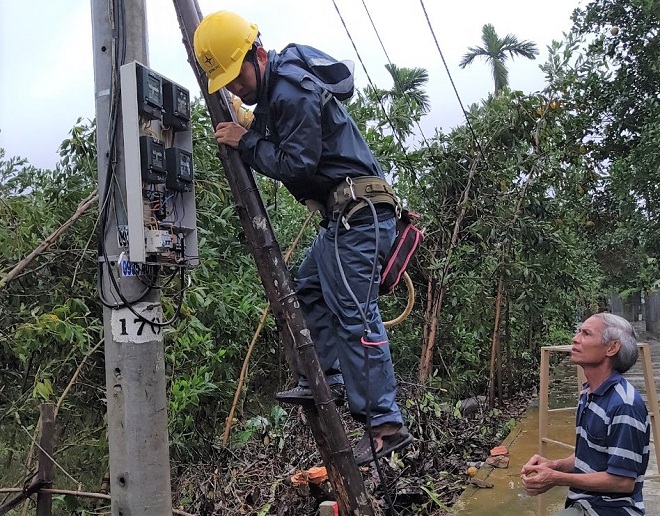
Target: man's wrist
(561, 465)
(561, 478)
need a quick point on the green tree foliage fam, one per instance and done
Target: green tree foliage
(607, 72)
(516, 220)
(49, 315)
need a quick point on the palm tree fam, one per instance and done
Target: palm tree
(407, 101)
(495, 51)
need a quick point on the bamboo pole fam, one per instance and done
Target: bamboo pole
(82, 494)
(24, 494)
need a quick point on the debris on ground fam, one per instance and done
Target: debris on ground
(499, 450)
(256, 476)
(472, 471)
(498, 461)
(482, 484)
(499, 457)
(316, 475)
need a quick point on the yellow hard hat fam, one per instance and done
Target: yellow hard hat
(221, 41)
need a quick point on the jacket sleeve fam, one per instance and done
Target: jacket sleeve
(292, 154)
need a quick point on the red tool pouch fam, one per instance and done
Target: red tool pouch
(408, 238)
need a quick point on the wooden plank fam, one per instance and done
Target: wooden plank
(544, 382)
(558, 443)
(651, 396)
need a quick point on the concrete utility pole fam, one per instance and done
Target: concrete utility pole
(134, 361)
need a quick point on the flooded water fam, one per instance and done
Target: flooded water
(507, 497)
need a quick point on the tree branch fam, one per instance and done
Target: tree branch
(82, 208)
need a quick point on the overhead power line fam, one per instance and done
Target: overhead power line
(373, 25)
(373, 87)
(451, 79)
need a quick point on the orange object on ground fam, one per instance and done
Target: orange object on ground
(315, 475)
(499, 450)
(472, 471)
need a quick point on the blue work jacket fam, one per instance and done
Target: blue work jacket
(302, 135)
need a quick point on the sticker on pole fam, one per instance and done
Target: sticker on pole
(138, 324)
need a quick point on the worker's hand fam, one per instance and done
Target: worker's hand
(229, 133)
(537, 479)
(243, 115)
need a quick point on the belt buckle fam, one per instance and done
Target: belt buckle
(351, 189)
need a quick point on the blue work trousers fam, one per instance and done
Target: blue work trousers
(336, 324)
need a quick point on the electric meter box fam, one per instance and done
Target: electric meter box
(179, 169)
(176, 101)
(150, 92)
(152, 160)
(160, 191)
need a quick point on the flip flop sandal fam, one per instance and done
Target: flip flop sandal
(388, 444)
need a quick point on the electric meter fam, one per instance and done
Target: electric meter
(176, 105)
(152, 160)
(150, 93)
(179, 169)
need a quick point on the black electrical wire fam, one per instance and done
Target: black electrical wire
(373, 26)
(128, 305)
(410, 165)
(444, 62)
(145, 278)
(451, 80)
(375, 90)
(387, 56)
(118, 58)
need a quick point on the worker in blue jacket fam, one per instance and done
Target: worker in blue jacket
(303, 136)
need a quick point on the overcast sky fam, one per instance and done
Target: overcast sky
(46, 68)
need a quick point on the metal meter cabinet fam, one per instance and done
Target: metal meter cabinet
(160, 192)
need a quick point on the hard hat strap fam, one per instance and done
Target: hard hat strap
(252, 55)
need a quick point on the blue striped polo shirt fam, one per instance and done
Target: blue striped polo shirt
(612, 434)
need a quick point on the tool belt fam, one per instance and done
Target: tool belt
(350, 191)
(349, 197)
